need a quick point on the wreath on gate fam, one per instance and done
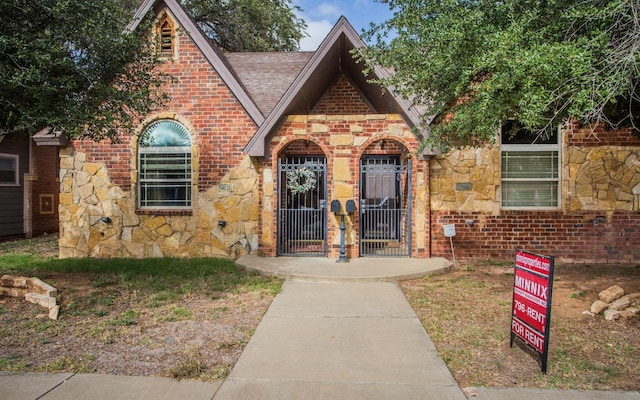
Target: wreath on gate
(301, 180)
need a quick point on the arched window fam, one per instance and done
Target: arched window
(164, 166)
(165, 38)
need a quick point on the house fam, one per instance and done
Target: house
(29, 185)
(267, 153)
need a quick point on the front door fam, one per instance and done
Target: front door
(302, 214)
(385, 209)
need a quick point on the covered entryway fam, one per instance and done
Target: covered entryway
(385, 209)
(302, 211)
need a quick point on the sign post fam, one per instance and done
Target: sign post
(450, 232)
(531, 307)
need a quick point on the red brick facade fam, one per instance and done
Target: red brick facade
(365, 134)
(587, 137)
(202, 102)
(584, 237)
(320, 144)
(44, 191)
(342, 98)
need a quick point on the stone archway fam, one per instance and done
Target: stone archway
(302, 200)
(385, 200)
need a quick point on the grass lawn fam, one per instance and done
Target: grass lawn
(184, 318)
(191, 318)
(467, 314)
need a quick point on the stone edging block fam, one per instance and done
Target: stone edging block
(33, 290)
(40, 287)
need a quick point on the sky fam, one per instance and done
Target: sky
(321, 16)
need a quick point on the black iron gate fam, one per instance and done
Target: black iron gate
(302, 206)
(385, 207)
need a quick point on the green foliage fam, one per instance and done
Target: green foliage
(473, 64)
(168, 278)
(249, 25)
(127, 318)
(191, 367)
(13, 364)
(82, 365)
(69, 66)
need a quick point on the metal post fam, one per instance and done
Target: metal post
(343, 250)
(453, 253)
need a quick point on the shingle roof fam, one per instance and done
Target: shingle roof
(267, 76)
(333, 57)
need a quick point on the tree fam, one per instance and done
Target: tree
(249, 25)
(69, 66)
(475, 63)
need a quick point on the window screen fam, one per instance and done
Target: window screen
(165, 166)
(529, 169)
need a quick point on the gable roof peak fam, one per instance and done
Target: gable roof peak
(342, 27)
(333, 57)
(214, 56)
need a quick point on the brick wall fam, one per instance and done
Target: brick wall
(570, 238)
(599, 136)
(600, 179)
(219, 125)
(343, 128)
(342, 98)
(98, 179)
(44, 191)
(116, 156)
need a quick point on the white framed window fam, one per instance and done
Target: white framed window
(165, 167)
(9, 166)
(530, 168)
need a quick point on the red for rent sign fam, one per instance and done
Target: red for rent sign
(531, 309)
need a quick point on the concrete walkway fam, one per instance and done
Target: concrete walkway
(371, 269)
(41, 386)
(337, 331)
(340, 340)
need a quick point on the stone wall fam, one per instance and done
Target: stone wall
(88, 196)
(452, 173)
(598, 220)
(603, 179)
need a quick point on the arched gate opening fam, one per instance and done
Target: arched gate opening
(302, 200)
(385, 200)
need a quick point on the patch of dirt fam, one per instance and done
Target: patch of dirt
(107, 327)
(46, 246)
(112, 332)
(467, 313)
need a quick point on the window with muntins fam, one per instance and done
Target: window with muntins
(165, 167)
(530, 169)
(9, 169)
